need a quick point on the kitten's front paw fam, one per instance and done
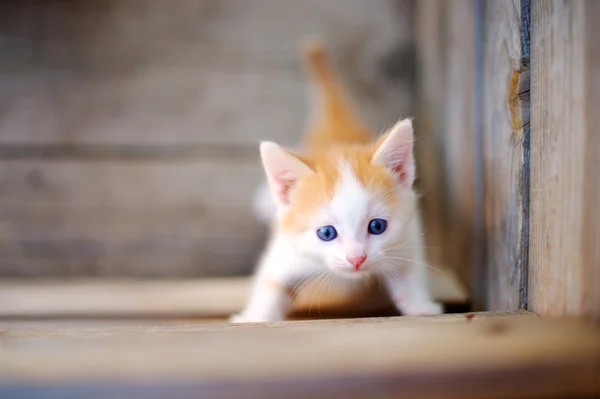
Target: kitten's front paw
(246, 317)
(238, 318)
(421, 308)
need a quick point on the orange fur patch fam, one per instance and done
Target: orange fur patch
(335, 120)
(274, 285)
(271, 284)
(317, 189)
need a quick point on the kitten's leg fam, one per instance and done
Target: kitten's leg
(411, 294)
(268, 301)
(410, 291)
(270, 296)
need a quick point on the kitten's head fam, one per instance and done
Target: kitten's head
(346, 205)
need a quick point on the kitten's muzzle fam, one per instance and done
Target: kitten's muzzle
(356, 260)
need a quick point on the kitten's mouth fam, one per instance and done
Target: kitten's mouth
(352, 272)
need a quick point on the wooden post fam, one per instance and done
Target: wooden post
(505, 149)
(565, 151)
(475, 117)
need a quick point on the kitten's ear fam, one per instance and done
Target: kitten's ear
(395, 151)
(283, 170)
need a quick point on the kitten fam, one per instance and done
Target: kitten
(346, 205)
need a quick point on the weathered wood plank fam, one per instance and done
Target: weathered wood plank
(212, 326)
(503, 156)
(205, 298)
(429, 124)
(39, 325)
(444, 141)
(590, 237)
(457, 136)
(506, 357)
(565, 186)
(128, 218)
(196, 72)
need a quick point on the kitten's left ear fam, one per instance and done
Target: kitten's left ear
(395, 151)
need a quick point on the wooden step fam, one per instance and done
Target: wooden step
(488, 355)
(214, 298)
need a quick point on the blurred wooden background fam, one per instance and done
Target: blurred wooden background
(129, 129)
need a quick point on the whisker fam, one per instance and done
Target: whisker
(396, 246)
(313, 277)
(392, 274)
(317, 293)
(395, 273)
(393, 188)
(312, 297)
(393, 264)
(325, 281)
(303, 280)
(330, 282)
(420, 246)
(417, 262)
(385, 275)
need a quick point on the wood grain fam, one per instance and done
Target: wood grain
(457, 135)
(503, 156)
(565, 186)
(444, 141)
(122, 218)
(129, 130)
(431, 61)
(97, 323)
(200, 298)
(498, 357)
(191, 72)
(590, 262)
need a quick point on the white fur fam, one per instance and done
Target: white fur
(397, 255)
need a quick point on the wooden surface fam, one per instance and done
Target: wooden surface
(565, 186)
(503, 154)
(502, 356)
(192, 72)
(123, 218)
(444, 141)
(129, 130)
(205, 298)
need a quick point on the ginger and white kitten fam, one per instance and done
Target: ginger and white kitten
(346, 204)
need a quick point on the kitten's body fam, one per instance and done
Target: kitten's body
(340, 186)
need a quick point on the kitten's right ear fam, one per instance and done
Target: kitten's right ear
(395, 151)
(283, 170)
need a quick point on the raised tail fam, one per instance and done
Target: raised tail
(317, 62)
(333, 118)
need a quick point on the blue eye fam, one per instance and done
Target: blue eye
(377, 226)
(327, 233)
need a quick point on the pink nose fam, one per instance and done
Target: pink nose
(356, 260)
